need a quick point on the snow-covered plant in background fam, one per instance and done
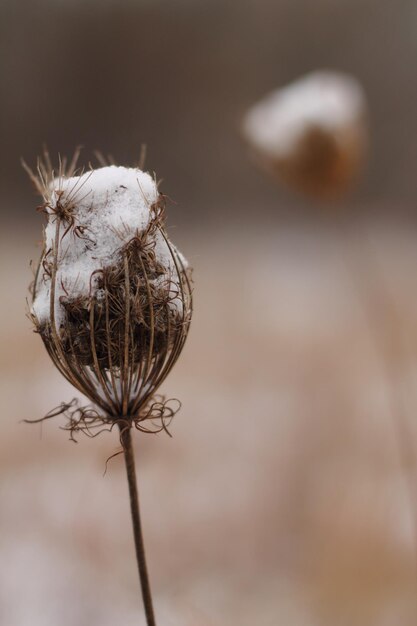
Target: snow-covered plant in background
(311, 133)
(112, 303)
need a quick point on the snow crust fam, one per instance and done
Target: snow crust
(110, 206)
(329, 100)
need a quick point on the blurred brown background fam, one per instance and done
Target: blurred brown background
(288, 493)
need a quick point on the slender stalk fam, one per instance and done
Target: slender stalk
(126, 439)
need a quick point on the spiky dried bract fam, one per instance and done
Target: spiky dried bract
(117, 339)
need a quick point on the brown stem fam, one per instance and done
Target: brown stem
(126, 439)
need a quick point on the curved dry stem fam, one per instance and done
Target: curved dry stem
(126, 440)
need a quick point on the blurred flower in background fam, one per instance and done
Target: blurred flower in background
(312, 133)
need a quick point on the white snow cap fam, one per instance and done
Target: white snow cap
(111, 205)
(328, 100)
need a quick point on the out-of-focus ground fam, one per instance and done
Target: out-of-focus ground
(287, 493)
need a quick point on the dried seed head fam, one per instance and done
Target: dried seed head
(112, 295)
(311, 134)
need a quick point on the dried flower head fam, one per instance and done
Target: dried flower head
(311, 134)
(111, 297)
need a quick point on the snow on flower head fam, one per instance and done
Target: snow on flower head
(96, 213)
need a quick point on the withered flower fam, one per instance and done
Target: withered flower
(112, 302)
